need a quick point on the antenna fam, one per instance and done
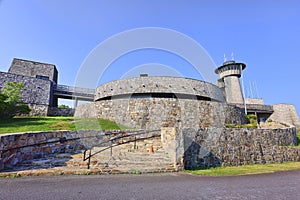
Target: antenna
(256, 88)
(225, 59)
(232, 56)
(251, 92)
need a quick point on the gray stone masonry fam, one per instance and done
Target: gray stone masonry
(188, 148)
(285, 113)
(36, 92)
(21, 147)
(233, 147)
(32, 69)
(156, 84)
(154, 113)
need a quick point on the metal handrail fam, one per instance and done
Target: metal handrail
(67, 88)
(111, 145)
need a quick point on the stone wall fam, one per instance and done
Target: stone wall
(32, 69)
(154, 113)
(187, 148)
(158, 84)
(36, 92)
(226, 146)
(53, 111)
(285, 113)
(20, 147)
(256, 101)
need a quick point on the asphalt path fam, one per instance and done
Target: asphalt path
(282, 185)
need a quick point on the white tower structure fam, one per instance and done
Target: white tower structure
(229, 74)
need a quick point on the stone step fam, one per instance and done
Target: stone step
(122, 161)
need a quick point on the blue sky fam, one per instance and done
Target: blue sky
(263, 34)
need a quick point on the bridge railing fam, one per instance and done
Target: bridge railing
(71, 89)
(258, 107)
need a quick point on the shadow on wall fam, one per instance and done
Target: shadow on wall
(196, 156)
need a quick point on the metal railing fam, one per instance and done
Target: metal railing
(111, 141)
(71, 89)
(257, 107)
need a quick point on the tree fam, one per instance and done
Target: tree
(11, 103)
(63, 106)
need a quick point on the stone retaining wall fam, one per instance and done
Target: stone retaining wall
(53, 111)
(226, 146)
(189, 148)
(19, 147)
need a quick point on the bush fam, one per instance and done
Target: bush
(63, 106)
(252, 119)
(10, 102)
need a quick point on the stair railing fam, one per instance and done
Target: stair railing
(112, 143)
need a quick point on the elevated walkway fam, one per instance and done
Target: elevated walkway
(257, 108)
(77, 93)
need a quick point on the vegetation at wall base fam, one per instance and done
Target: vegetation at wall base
(245, 169)
(298, 139)
(241, 126)
(29, 124)
(251, 123)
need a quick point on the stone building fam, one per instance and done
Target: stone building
(154, 102)
(148, 102)
(41, 90)
(188, 118)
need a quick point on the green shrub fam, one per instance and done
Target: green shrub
(63, 106)
(241, 125)
(252, 119)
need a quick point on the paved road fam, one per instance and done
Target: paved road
(283, 185)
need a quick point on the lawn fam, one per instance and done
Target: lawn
(246, 169)
(25, 124)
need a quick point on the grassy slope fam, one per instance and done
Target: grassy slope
(247, 169)
(24, 124)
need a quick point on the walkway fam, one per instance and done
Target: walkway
(283, 185)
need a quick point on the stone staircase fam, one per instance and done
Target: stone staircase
(124, 159)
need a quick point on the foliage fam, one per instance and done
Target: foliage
(135, 172)
(10, 102)
(252, 119)
(15, 175)
(246, 169)
(241, 125)
(25, 124)
(298, 140)
(251, 123)
(63, 106)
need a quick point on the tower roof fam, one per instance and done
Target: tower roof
(229, 63)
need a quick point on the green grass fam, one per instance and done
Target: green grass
(26, 124)
(246, 169)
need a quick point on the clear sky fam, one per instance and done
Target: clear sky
(263, 34)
